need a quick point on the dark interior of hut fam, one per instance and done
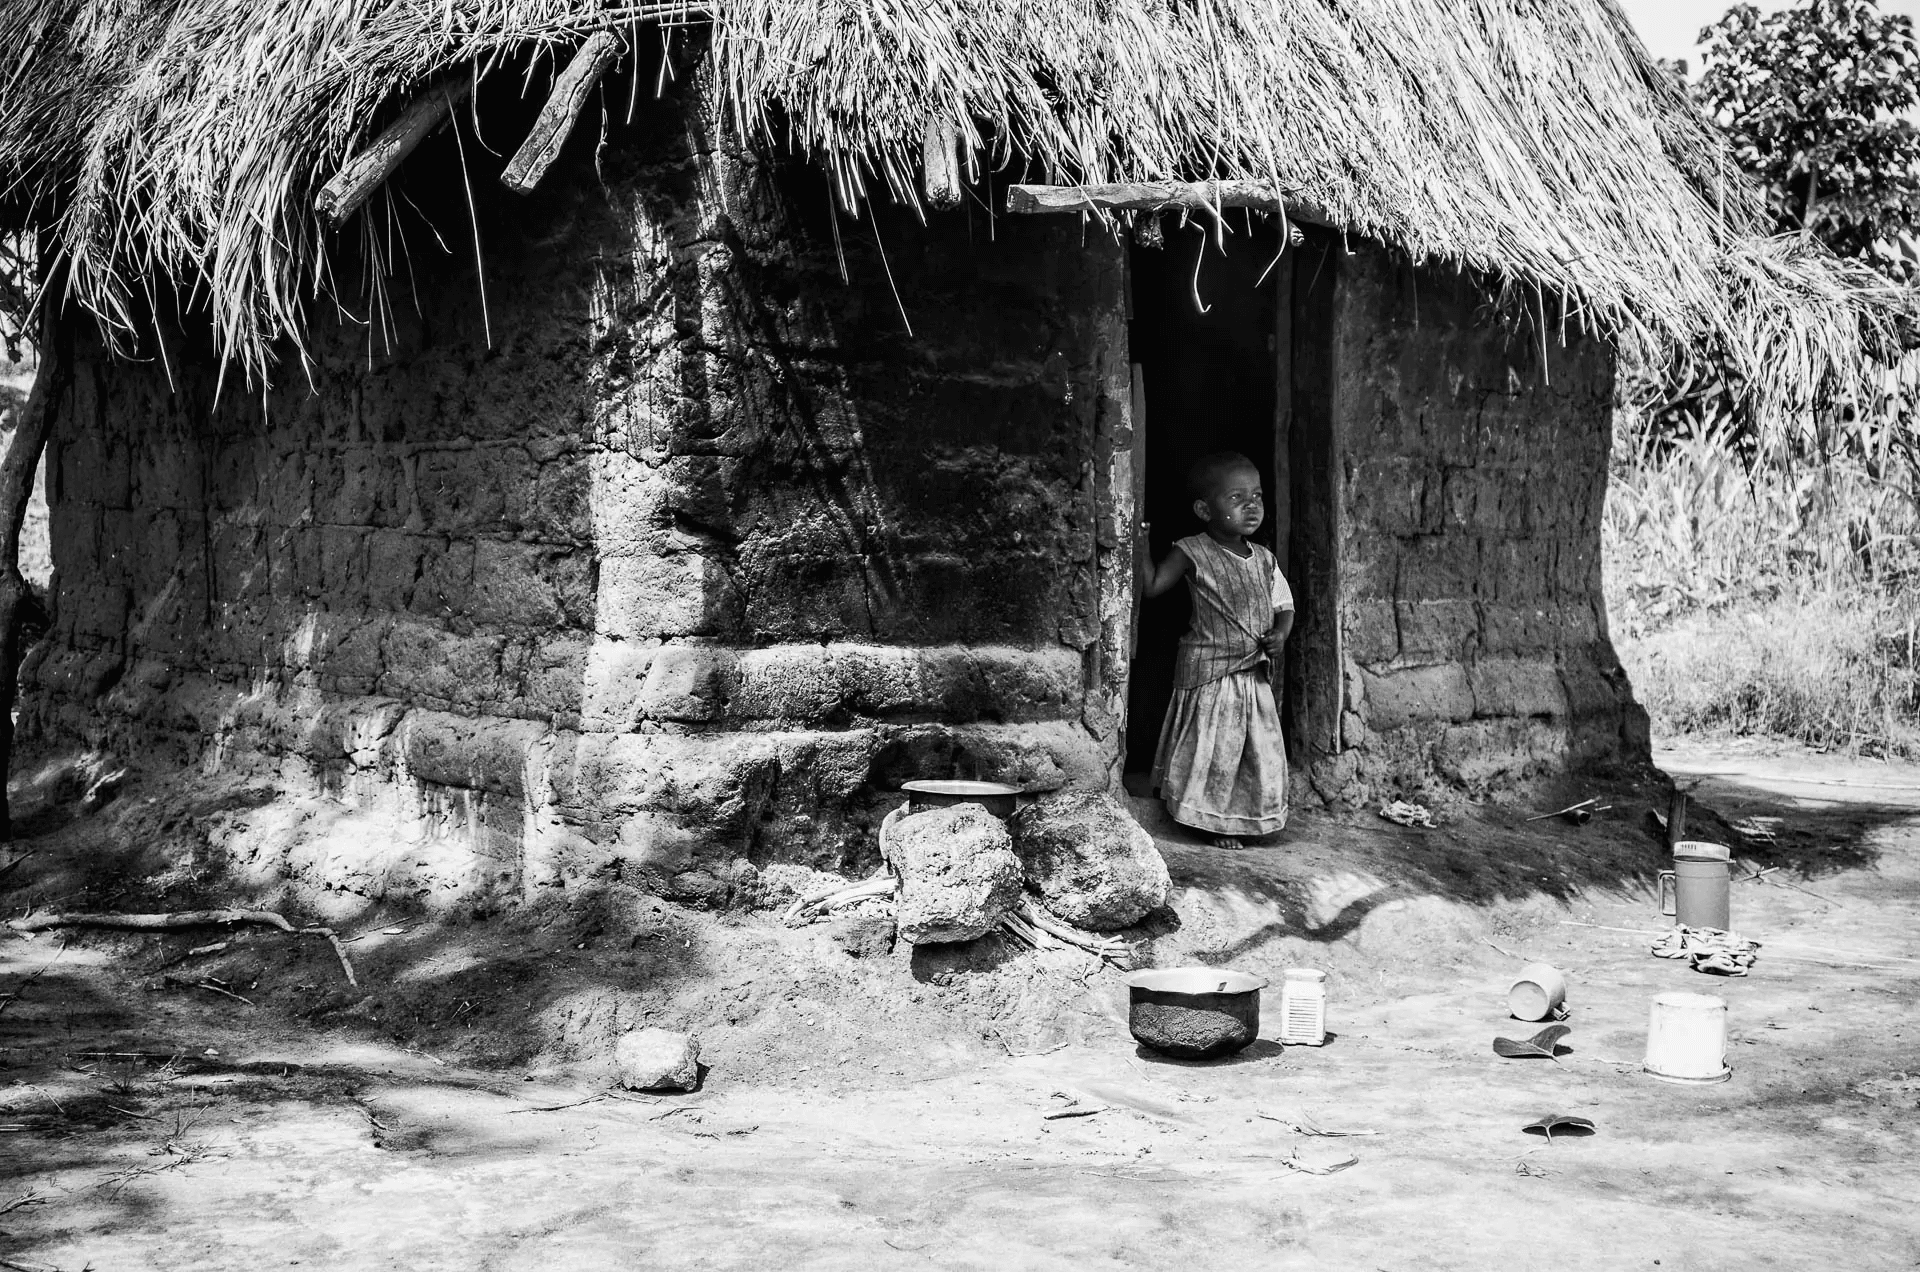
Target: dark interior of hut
(1202, 337)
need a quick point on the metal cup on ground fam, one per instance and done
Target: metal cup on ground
(1700, 883)
(1687, 1039)
(1538, 993)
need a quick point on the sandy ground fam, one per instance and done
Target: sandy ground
(269, 1141)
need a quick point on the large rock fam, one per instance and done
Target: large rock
(657, 1060)
(1089, 861)
(958, 874)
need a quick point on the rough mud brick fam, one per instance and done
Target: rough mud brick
(1089, 861)
(1517, 687)
(657, 1060)
(1373, 633)
(1437, 631)
(959, 875)
(1418, 694)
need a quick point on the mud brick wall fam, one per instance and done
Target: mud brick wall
(1473, 477)
(671, 560)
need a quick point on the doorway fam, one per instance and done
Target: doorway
(1204, 381)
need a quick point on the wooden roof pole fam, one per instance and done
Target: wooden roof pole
(940, 156)
(1166, 196)
(361, 175)
(562, 111)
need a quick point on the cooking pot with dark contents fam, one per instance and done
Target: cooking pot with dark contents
(1194, 1013)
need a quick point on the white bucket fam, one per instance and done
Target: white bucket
(1538, 993)
(1687, 1038)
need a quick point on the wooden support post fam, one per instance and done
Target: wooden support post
(1162, 196)
(940, 157)
(361, 175)
(562, 111)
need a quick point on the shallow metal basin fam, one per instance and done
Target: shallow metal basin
(996, 797)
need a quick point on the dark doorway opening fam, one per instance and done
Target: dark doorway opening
(1204, 381)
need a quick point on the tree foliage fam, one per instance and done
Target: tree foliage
(1815, 99)
(17, 292)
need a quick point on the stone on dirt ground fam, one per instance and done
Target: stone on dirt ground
(958, 874)
(657, 1060)
(1091, 863)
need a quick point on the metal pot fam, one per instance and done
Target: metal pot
(996, 797)
(1194, 1013)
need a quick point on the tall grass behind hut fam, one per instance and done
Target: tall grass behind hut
(1532, 138)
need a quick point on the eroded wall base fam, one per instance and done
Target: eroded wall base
(676, 556)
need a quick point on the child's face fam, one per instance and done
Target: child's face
(1236, 505)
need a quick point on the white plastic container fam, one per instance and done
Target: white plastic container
(1303, 1007)
(1538, 993)
(1687, 1039)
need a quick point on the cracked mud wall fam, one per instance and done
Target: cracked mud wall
(679, 573)
(1472, 476)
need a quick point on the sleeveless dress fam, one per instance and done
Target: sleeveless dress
(1221, 766)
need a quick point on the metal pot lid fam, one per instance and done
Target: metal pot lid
(958, 786)
(1693, 850)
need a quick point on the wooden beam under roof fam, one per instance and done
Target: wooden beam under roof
(361, 175)
(1166, 196)
(562, 111)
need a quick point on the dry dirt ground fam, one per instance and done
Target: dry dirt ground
(890, 1111)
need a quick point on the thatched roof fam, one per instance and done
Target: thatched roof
(1533, 138)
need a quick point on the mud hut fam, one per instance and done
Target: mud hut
(780, 433)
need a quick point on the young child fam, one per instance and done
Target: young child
(1221, 767)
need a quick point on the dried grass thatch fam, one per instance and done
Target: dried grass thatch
(1535, 138)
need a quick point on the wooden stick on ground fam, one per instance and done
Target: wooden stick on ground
(361, 175)
(181, 919)
(562, 111)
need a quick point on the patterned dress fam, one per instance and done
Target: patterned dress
(1221, 766)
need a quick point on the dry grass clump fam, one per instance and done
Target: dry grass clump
(1770, 582)
(1833, 670)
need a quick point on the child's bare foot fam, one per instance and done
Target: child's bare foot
(1227, 841)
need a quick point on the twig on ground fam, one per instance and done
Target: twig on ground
(14, 997)
(1074, 1107)
(1308, 1128)
(14, 865)
(149, 1117)
(806, 909)
(1032, 923)
(209, 986)
(678, 1108)
(27, 1198)
(1788, 883)
(555, 1108)
(1502, 949)
(181, 919)
(1319, 1168)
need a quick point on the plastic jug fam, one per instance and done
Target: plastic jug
(1700, 882)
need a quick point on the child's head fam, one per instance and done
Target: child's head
(1225, 489)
